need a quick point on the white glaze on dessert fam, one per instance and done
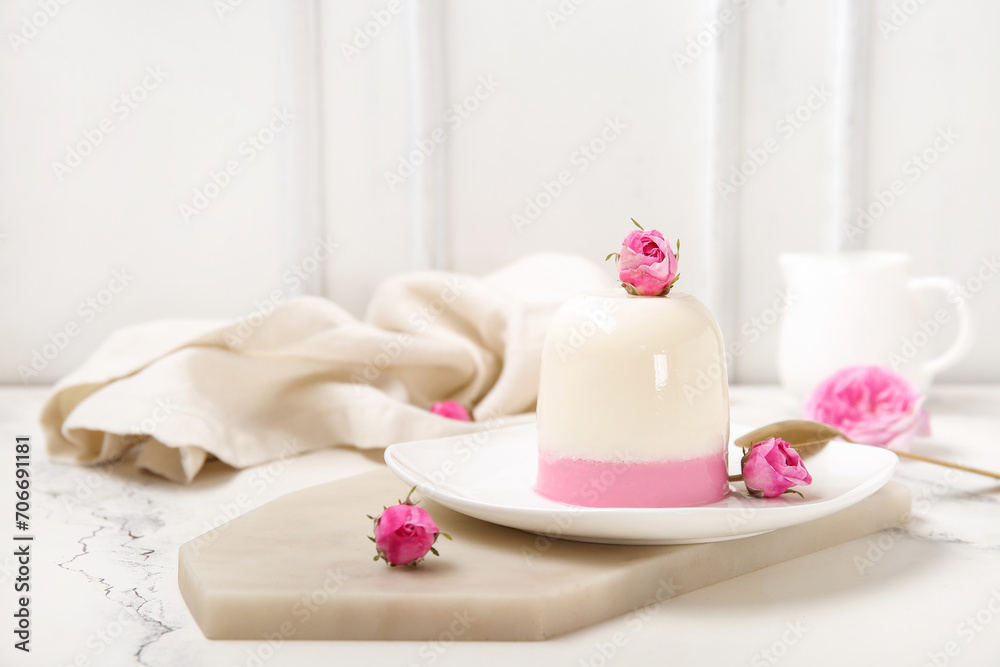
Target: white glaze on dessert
(632, 380)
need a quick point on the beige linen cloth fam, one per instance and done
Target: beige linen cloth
(309, 375)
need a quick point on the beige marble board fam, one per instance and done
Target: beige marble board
(301, 567)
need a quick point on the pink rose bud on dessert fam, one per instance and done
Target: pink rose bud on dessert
(451, 410)
(772, 467)
(647, 266)
(404, 534)
(870, 404)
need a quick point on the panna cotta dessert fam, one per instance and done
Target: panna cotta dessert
(633, 400)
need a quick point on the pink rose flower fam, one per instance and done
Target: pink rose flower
(647, 263)
(404, 534)
(872, 405)
(772, 467)
(451, 410)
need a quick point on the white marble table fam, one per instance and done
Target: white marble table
(104, 569)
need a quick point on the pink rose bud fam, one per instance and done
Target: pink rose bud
(451, 410)
(871, 405)
(647, 263)
(404, 534)
(772, 467)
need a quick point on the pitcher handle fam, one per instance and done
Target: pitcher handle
(963, 340)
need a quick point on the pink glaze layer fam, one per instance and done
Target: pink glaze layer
(590, 483)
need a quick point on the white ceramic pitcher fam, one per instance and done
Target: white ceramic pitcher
(863, 308)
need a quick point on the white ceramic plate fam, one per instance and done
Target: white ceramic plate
(491, 476)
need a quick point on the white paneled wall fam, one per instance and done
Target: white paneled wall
(786, 74)
(554, 129)
(591, 123)
(463, 135)
(930, 67)
(81, 82)
(364, 93)
(934, 69)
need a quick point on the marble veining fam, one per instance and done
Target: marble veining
(104, 568)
